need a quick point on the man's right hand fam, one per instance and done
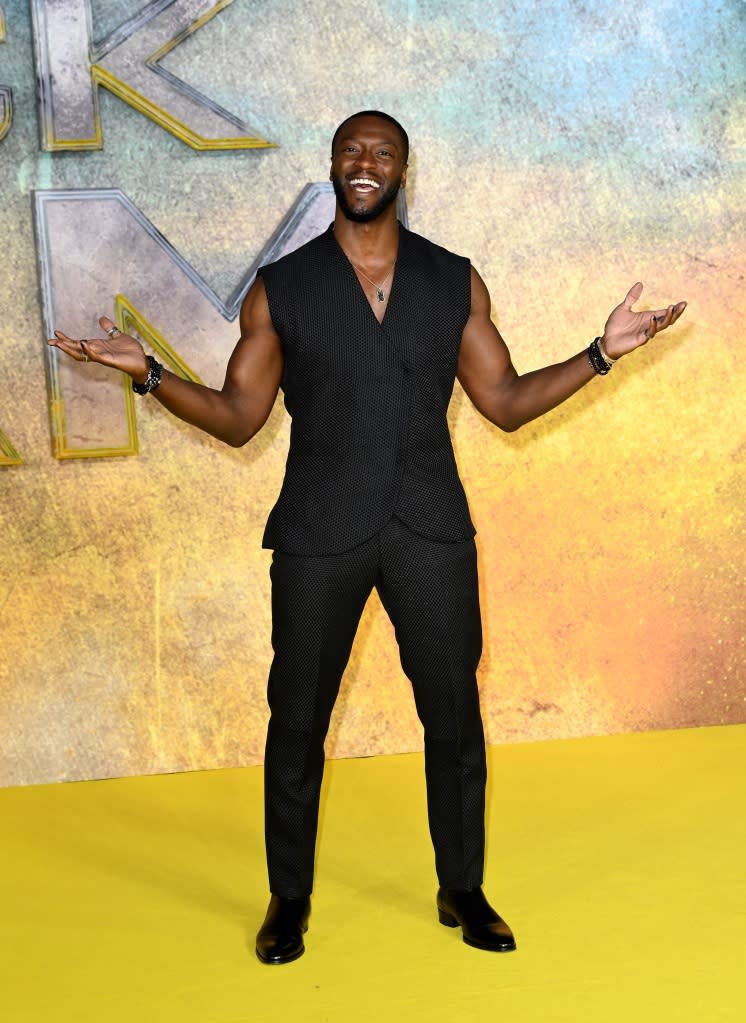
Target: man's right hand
(232, 413)
(118, 350)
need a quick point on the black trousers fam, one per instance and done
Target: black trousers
(430, 592)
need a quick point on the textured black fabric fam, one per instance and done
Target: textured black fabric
(369, 435)
(430, 592)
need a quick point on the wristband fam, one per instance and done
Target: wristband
(597, 358)
(607, 358)
(151, 380)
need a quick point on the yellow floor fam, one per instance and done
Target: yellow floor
(619, 861)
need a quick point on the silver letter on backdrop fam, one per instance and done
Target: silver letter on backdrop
(6, 95)
(100, 255)
(8, 454)
(70, 66)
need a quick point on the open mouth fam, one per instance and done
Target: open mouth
(364, 185)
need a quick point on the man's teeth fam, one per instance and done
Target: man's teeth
(365, 181)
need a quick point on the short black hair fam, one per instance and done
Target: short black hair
(384, 117)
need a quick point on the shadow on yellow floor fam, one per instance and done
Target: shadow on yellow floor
(619, 862)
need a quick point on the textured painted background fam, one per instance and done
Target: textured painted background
(569, 149)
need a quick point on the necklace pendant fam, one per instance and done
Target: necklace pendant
(381, 295)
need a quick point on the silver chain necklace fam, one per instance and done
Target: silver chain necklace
(379, 287)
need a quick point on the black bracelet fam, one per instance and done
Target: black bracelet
(596, 359)
(151, 380)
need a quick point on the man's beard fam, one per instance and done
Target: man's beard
(373, 212)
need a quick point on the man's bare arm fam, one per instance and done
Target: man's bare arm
(508, 400)
(234, 413)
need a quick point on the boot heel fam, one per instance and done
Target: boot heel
(447, 919)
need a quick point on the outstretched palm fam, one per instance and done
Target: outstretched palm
(626, 330)
(120, 351)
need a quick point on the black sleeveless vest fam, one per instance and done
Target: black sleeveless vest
(369, 435)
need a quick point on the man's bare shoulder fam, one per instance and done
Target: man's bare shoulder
(255, 314)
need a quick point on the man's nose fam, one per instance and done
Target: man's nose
(365, 158)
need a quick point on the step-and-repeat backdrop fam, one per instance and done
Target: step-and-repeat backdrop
(149, 165)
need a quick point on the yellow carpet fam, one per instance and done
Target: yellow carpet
(619, 862)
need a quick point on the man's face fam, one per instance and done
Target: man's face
(368, 168)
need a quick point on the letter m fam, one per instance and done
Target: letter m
(100, 255)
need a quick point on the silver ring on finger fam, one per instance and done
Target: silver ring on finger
(113, 331)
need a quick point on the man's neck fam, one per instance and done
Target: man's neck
(368, 244)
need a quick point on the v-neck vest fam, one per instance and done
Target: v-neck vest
(368, 401)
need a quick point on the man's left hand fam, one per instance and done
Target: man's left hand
(626, 330)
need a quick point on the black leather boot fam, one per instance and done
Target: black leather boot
(479, 923)
(280, 938)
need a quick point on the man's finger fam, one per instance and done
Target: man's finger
(109, 326)
(633, 295)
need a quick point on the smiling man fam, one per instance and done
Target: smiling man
(366, 329)
(371, 184)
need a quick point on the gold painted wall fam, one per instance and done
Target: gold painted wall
(134, 599)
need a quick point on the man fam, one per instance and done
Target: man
(365, 329)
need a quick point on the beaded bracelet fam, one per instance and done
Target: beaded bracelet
(151, 380)
(598, 358)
